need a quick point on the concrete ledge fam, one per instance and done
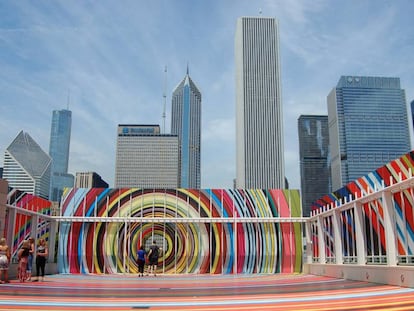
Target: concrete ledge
(396, 275)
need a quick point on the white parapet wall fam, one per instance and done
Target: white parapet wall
(366, 237)
(399, 276)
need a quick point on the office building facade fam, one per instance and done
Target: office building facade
(89, 180)
(186, 124)
(27, 167)
(412, 113)
(145, 158)
(368, 126)
(259, 128)
(59, 152)
(314, 159)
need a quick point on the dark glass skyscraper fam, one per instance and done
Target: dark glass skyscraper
(368, 126)
(59, 152)
(186, 124)
(314, 159)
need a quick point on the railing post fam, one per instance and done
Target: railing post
(321, 240)
(359, 233)
(336, 220)
(389, 228)
(11, 227)
(308, 236)
(3, 201)
(53, 226)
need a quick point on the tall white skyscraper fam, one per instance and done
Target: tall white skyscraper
(186, 124)
(27, 166)
(259, 120)
(145, 158)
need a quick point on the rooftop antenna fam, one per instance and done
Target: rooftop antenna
(67, 105)
(260, 11)
(164, 95)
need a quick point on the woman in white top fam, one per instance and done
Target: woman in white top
(4, 261)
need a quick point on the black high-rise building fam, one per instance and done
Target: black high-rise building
(412, 113)
(314, 159)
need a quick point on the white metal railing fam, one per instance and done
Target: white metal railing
(406, 260)
(182, 219)
(367, 229)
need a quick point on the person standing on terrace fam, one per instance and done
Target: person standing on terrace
(4, 261)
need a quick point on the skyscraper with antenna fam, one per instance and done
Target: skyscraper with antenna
(59, 152)
(164, 96)
(186, 124)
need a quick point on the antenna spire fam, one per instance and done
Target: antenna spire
(164, 95)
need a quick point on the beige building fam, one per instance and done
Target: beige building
(145, 158)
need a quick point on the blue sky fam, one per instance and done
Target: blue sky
(110, 57)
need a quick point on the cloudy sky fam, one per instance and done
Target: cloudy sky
(105, 60)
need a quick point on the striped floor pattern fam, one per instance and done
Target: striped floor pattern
(202, 292)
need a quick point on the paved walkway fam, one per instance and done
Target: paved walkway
(202, 292)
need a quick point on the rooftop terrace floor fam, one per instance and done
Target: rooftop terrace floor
(202, 292)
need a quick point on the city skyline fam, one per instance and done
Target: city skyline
(107, 63)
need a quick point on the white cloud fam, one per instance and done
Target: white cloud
(220, 130)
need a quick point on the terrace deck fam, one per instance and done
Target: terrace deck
(202, 292)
